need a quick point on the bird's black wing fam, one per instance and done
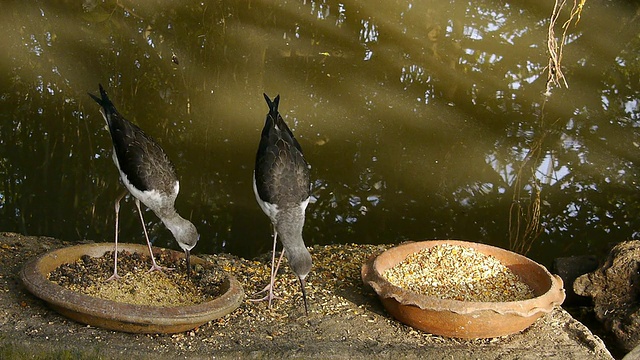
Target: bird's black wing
(140, 158)
(282, 173)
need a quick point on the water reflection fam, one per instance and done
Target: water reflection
(420, 119)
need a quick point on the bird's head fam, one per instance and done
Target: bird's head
(187, 237)
(300, 262)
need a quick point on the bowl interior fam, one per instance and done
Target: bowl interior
(464, 319)
(122, 316)
(529, 272)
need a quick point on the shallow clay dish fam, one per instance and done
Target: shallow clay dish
(465, 319)
(121, 316)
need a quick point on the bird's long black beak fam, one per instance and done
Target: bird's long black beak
(187, 255)
(304, 296)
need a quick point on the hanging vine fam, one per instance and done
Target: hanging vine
(555, 47)
(525, 213)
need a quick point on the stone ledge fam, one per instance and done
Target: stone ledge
(345, 321)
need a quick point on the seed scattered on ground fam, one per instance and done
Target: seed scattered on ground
(137, 285)
(458, 273)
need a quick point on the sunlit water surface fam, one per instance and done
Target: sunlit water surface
(421, 120)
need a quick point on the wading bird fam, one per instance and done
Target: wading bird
(282, 188)
(149, 176)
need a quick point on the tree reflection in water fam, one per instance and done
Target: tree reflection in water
(421, 120)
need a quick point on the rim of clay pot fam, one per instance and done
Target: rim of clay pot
(548, 288)
(123, 316)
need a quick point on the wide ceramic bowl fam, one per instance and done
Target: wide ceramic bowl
(465, 319)
(121, 316)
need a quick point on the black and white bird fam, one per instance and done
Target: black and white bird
(149, 176)
(282, 188)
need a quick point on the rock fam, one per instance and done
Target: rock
(614, 289)
(569, 269)
(633, 355)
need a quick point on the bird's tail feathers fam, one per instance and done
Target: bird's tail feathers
(104, 101)
(273, 105)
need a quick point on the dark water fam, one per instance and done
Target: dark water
(420, 119)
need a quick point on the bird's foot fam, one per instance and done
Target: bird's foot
(269, 297)
(115, 276)
(266, 288)
(156, 267)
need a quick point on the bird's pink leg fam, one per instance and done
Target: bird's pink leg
(274, 271)
(115, 275)
(154, 265)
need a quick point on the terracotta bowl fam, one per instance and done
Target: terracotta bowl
(464, 319)
(121, 316)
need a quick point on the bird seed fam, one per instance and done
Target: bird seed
(137, 285)
(456, 272)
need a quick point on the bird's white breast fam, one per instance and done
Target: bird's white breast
(270, 209)
(153, 199)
